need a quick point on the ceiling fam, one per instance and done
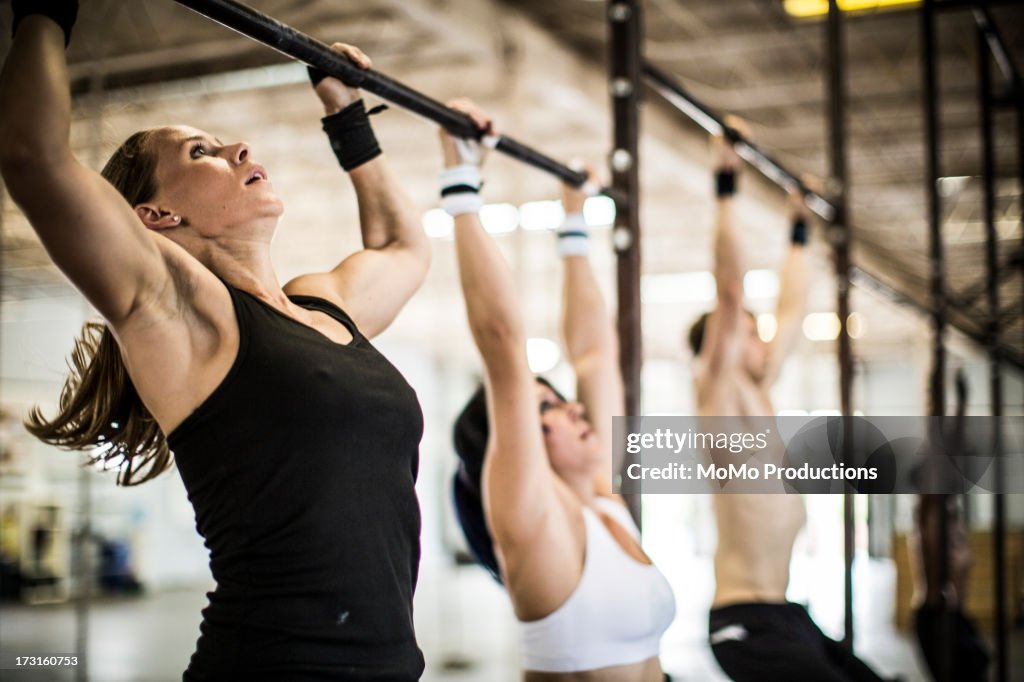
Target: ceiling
(540, 66)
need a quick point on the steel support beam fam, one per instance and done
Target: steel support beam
(625, 43)
(839, 236)
(988, 155)
(937, 383)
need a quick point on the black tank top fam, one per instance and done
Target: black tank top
(301, 468)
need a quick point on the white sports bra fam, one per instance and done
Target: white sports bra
(615, 616)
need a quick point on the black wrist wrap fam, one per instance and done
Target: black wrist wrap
(799, 233)
(315, 75)
(63, 12)
(725, 183)
(351, 134)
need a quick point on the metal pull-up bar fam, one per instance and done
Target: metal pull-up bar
(702, 115)
(302, 47)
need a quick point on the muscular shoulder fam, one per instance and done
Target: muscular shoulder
(188, 295)
(320, 285)
(177, 340)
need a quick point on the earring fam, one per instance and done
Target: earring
(176, 218)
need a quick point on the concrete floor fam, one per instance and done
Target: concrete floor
(464, 624)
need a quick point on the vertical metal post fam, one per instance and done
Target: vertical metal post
(931, 120)
(937, 392)
(625, 39)
(840, 238)
(995, 371)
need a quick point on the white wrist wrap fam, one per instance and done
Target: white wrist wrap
(574, 236)
(458, 204)
(460, 188)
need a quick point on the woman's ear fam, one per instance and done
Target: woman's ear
(155, 218)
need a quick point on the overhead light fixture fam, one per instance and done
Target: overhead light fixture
(542, 354)
(856, 325)
(767, 326)
(599, 211)
(761, 284)
(499, 218)
(817, 8)
(438, 224)
(541, 215)
(821, 326)
(697, 287)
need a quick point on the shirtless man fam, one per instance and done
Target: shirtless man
(755, 633)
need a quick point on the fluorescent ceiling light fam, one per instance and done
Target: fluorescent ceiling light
(767, 325)
(438, 224)
(817, 8)
(761, 284)
(542, 354)
(541, 215)
(499, 218)
(599, 211)
(856, 325)
(821, 326)
(698, 287)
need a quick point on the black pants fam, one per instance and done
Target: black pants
(779, 642)
(968, 657)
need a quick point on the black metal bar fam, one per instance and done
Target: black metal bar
(839, 233)
(970, 296)
(625, 43)
(937, 392)
(681, 99)
(705, 117)
(865, 280)
(988, 164)
(302, 47)
(997, 46)
(932, 172)
(1000, 506)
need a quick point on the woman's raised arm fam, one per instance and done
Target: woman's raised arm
(375, 283)
(590, 338)
(518, 483)
(88, 229)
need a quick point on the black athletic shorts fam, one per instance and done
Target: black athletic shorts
(969, 657)
(769, 642)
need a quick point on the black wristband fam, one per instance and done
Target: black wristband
(315, 75)
(725, 183)
(351, 135)
(63, 12)
(798, 235)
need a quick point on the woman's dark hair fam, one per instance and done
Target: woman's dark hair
(472, 431)
(470, 434)
(100, 411)
(696, 335)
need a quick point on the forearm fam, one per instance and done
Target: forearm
(35, 100)
(586, 323)
(387, 216)
(728, 265)
(489, 293)
(794, 280)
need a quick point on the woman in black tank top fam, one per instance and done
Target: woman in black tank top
(296, 440)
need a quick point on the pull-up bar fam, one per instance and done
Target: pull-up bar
(302, 47)
(702, 115)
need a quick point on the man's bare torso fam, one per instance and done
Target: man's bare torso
(755, 531)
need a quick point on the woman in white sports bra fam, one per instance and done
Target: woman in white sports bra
(591, 606)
